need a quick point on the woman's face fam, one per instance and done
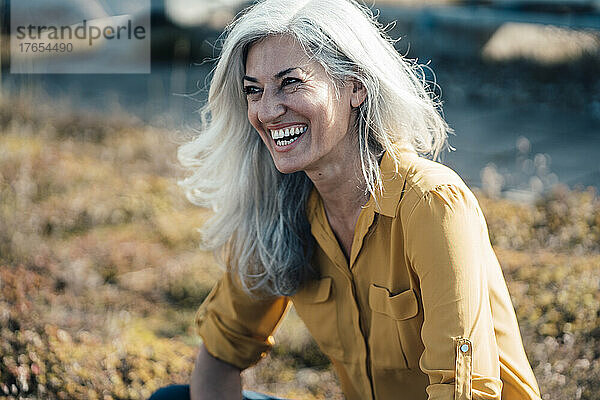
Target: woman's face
(293, 106)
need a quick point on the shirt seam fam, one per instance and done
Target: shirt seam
(425, 193)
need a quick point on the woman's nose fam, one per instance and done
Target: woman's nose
(270, 108)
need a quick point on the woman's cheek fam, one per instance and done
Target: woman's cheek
(254, 122)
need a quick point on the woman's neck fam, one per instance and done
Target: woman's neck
(342, 188)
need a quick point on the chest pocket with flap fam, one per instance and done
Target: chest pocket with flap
(316, 305)
(395, 340)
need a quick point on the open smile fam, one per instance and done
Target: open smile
(288, 135)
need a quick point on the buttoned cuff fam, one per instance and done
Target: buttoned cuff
(463, 374)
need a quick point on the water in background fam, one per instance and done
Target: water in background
(513, 138)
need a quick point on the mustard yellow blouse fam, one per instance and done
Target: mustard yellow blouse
(421, 311)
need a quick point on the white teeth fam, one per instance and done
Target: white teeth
(281, 133)
(286, 142)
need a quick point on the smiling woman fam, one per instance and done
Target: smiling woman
(313, 156)
(294, 107)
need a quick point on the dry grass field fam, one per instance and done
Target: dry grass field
(100, 273)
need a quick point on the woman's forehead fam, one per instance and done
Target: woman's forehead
(274, 54)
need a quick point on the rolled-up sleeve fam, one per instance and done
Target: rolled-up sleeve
(236, 327)
(445, 237)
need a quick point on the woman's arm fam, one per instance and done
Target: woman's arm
(214, 379)
(236, 330)
(447, 244)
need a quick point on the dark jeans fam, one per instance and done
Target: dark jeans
(182, 392)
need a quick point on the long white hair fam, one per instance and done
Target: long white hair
(259, 220)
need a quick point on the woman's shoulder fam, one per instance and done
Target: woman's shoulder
(426, 180)
(423, 176)
(409, 178)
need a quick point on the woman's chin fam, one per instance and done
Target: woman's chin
(286, 165)
(286, 169)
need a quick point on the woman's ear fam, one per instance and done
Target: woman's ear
(359, 93)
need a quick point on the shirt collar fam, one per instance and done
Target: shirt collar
(393, 178)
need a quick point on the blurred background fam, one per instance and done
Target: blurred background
(100, 274)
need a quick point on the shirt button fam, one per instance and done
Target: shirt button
(464, 348)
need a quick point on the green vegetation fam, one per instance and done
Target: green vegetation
(100, 273)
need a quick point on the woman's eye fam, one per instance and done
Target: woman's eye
(251, 90)
(289, 81)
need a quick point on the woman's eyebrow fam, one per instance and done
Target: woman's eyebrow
(285, 72)
(277, 75)
(249, 78)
